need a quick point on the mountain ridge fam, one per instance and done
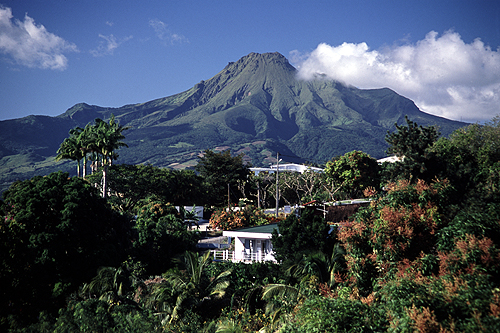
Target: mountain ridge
(255, 105)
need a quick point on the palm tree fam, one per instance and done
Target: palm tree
(281, 300)
(100, 139)
(71, 148)
(107, 285)
(320, 265)
(86, 145)
(106, 137)
(192, 287)
(190, 217)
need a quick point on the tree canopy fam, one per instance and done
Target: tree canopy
(422, 256)
(352, 173)
(160, 236)
(130, 184)
(57, 232)
(412, 144)
(470, 159)
(220, 170)
(100, 140)
(299, 236)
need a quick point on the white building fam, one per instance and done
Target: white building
(390, 159)
(287, 167)
(250, 244)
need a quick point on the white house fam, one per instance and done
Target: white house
(287, 167)
(250, 244)
(390, 159)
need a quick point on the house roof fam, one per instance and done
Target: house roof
(261, 229)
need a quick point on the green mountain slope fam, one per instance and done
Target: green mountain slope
(255, 106)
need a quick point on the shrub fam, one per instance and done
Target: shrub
(231, 219)
(319, 314)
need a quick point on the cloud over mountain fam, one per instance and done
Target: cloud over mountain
(31, 45)
(443, 75)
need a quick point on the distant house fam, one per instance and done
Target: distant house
(287, 167)
(250, 244)
(343, 210)
(334, 212)
(254, 243)
(390, 159)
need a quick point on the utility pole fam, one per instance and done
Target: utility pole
(277, 176)
(258, 193)
(228, 196)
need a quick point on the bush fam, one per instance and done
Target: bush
(161, 235)
(320, 314)
(232, 219)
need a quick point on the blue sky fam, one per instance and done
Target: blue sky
(444, 55)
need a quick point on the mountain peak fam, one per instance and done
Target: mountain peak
(264, 60)
(268, 56)
(255, 106)
(254, 56)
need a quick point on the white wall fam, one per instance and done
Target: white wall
(248, 243)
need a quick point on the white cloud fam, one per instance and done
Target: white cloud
(31, 45)
(108, 45)
(443, 75)
(164, 34)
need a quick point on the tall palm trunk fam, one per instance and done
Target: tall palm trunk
(78, 168)
(84, 171)
(105, 180)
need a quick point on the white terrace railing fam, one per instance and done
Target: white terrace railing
(227, 255)
(223, 255)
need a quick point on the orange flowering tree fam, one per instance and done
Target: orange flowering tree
(400, 225)
(427, 268)
(231, 219)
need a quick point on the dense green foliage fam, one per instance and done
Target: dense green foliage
(56, 232)
(412, 143)
(161, 234)
(224, 175)
(130, 184)
(352, 173)
(299, 236)
(470, 159)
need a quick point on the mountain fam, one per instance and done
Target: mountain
(254, 106)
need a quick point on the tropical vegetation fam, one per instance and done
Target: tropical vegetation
(96, 143)
(423, 256)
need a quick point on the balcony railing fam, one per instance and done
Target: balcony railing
(246, 257)
(223, 255)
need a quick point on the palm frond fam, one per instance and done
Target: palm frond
(281, 290)
(229, 326)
